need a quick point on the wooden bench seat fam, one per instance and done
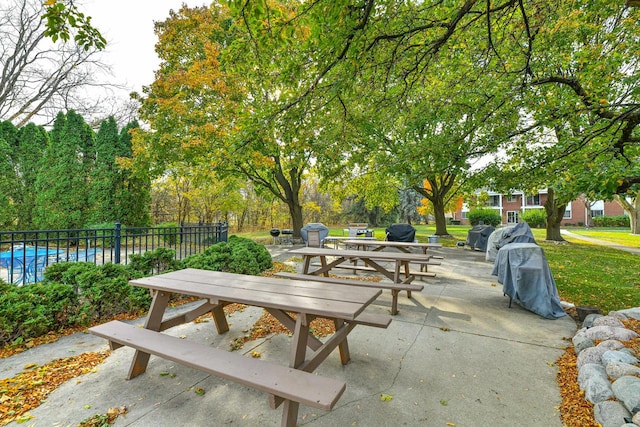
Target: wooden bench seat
(288, 383)
(352, 282)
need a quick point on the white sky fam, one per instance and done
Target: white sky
(128, 27)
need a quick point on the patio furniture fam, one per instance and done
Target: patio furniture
(399, 274)
(25, 264)
(294, 304)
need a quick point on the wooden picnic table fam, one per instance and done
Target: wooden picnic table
(399, 274)
(294, 304)
(406, 247)
(379, 245)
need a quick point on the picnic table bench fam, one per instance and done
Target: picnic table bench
(293, 303)
(406, 247)
(400, 275)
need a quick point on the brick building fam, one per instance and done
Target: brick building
(511, 206)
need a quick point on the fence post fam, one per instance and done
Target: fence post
(116, 243)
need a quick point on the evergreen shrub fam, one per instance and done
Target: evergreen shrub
(536, 218)
(611, 221)
(239, 255)
(485, 216)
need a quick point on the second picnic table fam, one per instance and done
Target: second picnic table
(399, 274)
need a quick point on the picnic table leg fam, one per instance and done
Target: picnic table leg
(153, 322)
(394, 301)
(343, 347)
(323, 263)
(406, 275)
(299, 344)
(307, 264)
(219, 318)
(290, 413)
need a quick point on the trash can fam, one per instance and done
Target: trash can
(433, 239)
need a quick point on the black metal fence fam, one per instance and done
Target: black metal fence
(25, 254)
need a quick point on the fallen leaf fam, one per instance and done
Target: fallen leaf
(385, 397)
(199, 391)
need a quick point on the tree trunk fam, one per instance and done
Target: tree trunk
(555, 213)
(438, 214)
(632, 209)
(295, 210)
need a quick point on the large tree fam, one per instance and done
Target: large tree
(217, 101)
(62, 184)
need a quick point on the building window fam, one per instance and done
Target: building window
(567, 214)
(493, 201)
(512, 198)
(533, 200)
(596, 213)
(463, 214)
(513, 217)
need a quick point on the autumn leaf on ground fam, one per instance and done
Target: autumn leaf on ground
(199, 391)
(385, 397)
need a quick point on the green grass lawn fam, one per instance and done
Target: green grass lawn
(621, 236)
(586, 274)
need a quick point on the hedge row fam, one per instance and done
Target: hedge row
(79, 294)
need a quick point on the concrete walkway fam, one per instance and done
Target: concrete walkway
(601, 242)
(454, 355)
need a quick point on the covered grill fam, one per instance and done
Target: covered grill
(401, 233)
(320, 227)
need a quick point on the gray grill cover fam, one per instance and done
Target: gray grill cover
(401, 233)
(324, 231)
(478, 236)
(519, 233)
(524, 273)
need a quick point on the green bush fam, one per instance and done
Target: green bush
(33, 310)
(239, 255)
(80, 293)
(536, 218)
(484, 216)
(153, 262)
(611, 221)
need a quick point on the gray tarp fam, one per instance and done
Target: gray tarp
(324, 231)
(524, 273)
(519, 233)
(493, 243)
(478, 236)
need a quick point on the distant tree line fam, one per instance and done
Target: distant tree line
(69, 176)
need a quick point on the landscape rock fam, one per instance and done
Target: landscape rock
(590, 355)
(611, 345)
(616, 370)
(610, 332)
(593, 379)
(636, 418)
(588, 321)
(633, 313)
(608, 321)
(589, 371)
(627, 390)
(618, 356)
(610, 413)
(580, 342)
